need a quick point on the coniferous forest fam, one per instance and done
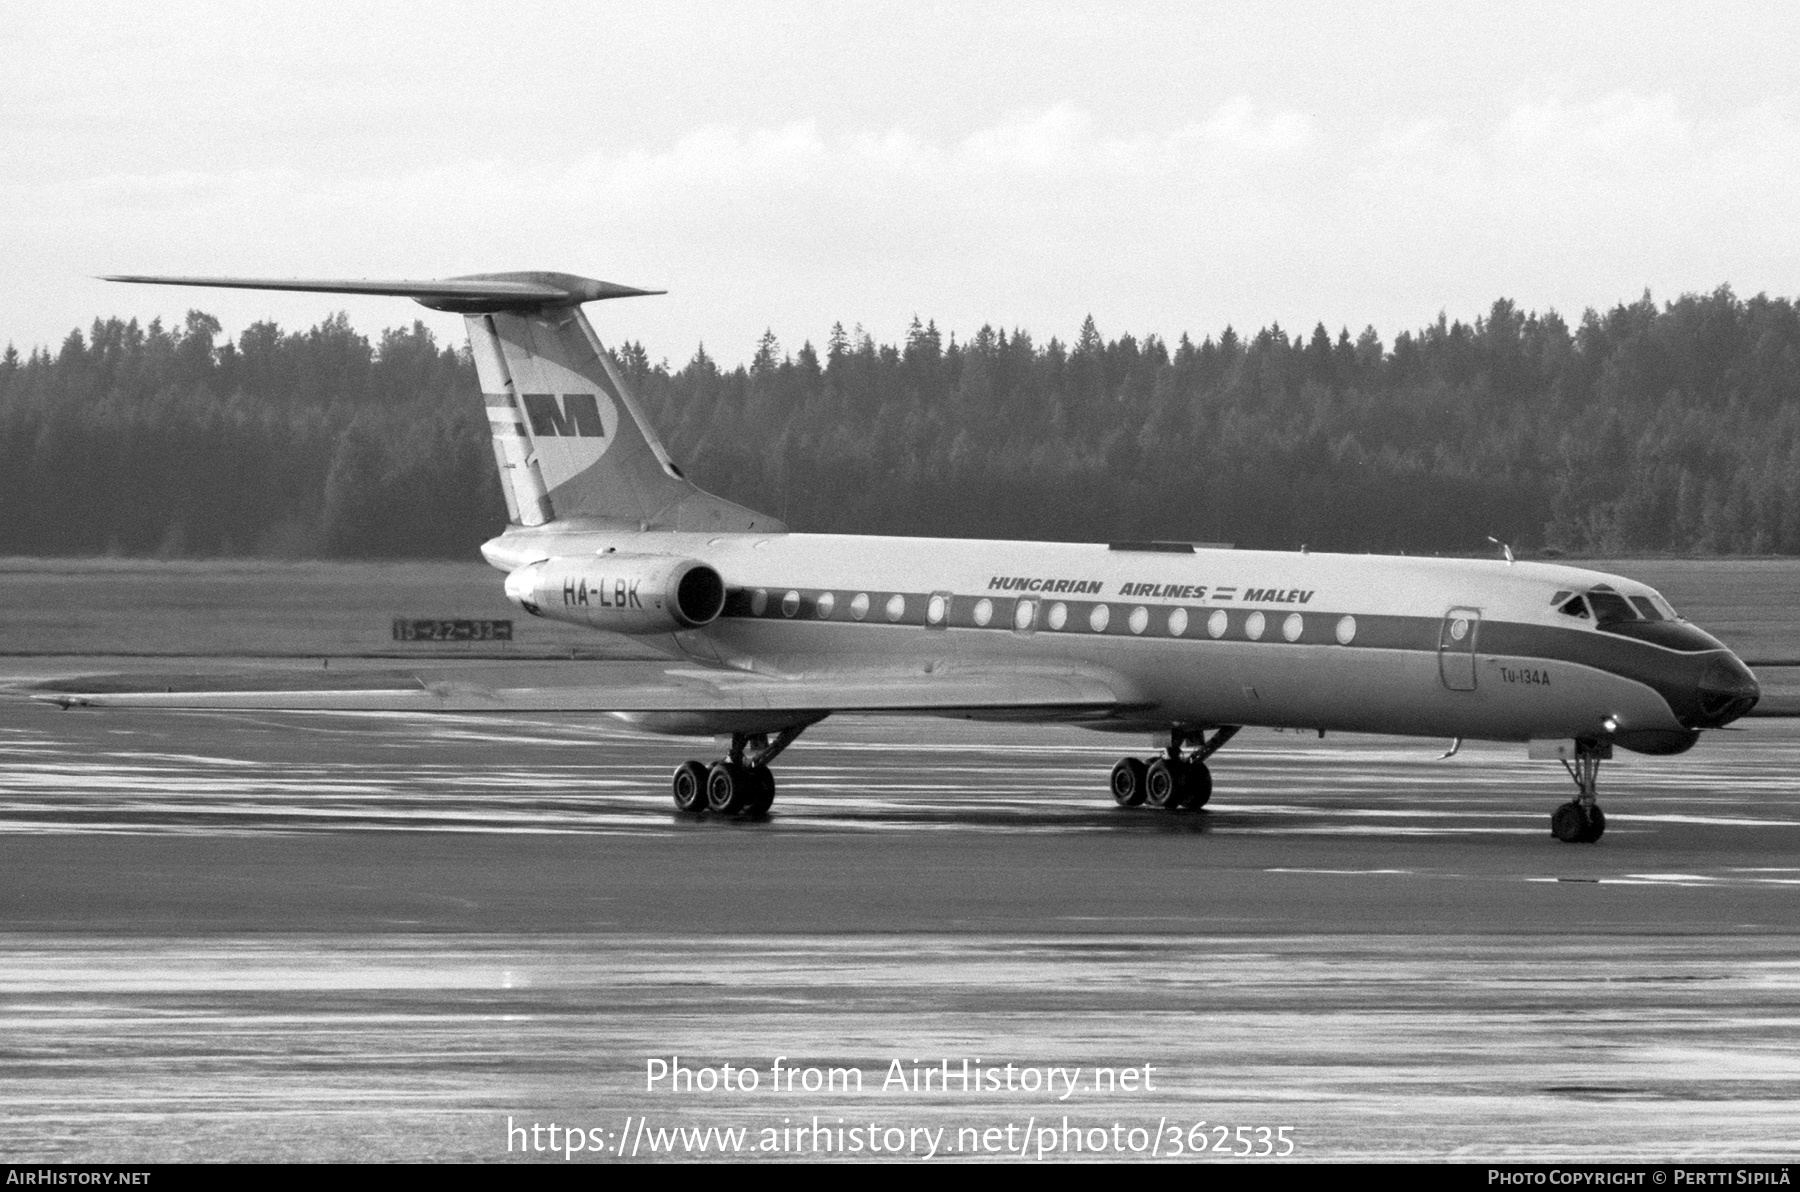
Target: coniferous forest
(1656, 428)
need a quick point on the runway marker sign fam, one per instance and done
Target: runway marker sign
(453, 629)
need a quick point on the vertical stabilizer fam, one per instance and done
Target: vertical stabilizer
(570, 438)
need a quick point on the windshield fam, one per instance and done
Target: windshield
(1570, 605)
(1610, 606)
(1604, 605)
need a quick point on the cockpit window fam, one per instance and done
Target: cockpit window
(1610, 606)
(1648, 608)
(1560, 597)
(1575, 607)
(1668, 610)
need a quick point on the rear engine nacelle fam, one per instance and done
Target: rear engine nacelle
(622, 593)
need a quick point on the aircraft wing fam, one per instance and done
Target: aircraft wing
(1040, 691)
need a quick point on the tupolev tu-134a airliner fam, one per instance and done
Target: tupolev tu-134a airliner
(769, 631)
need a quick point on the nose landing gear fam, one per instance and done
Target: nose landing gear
(1580, 820)
(1175, 781)
(740, 783)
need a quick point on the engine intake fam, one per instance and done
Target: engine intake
(621, 593)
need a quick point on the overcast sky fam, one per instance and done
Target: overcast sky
(1167, 168)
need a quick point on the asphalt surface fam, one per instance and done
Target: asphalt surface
(331, 937)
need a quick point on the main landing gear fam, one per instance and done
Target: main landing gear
(739, 783)
(1176, 781)
(1580, 820)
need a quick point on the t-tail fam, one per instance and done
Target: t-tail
(570, 440)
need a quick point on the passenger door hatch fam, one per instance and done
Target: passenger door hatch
(1456, 648)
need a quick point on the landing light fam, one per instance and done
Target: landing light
(1610, 724)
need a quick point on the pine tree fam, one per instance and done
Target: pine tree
(768, 355)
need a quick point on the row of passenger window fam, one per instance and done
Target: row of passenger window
(1056, 615)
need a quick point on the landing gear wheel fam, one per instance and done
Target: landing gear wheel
(1177, 779)
(690, 787)
(1574, 824)
(1128, 782)
(729, 787)
(1596, 825)
(1567, 823)
(1199, 786)
(763, 779)
(1163, 785)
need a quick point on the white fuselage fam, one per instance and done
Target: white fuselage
(1194, 637)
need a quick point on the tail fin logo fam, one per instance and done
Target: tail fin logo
(577, 415)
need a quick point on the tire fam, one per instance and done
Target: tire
(689, 787)
(1596, 826)
(1568, 825)
(1199, 786)
(764, 780)
(729, 788)
(1128, 782)
(1163, 785)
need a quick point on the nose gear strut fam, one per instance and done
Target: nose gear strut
(1580, 821)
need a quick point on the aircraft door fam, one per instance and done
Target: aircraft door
(1456, 648)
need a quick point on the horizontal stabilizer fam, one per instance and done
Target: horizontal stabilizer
(477, 293)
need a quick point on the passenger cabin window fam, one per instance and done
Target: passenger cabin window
(1610, 606)
(1575, 607)
(1645, 606)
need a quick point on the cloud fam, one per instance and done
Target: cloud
(1241, 212)
(765, 192)
(1056, 139)
(1620, 169)
(1621, 127)
(1236, 126)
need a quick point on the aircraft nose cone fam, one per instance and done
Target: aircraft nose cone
(1727, 690)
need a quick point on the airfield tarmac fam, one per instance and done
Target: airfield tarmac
(312, 937)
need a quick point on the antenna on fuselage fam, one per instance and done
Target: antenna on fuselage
(1504, 549)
